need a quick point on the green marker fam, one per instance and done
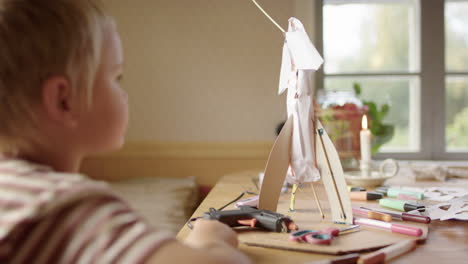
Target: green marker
(400, 205)
(394, 192)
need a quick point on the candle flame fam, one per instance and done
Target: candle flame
(364, 122)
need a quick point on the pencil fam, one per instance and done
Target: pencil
(385, 254)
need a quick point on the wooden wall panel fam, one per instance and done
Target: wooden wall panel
(206, 161)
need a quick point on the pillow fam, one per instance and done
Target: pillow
(167, 203)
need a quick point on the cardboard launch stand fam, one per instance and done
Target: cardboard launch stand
(304, 145)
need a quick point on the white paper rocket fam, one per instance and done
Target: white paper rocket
(303, 151)
(300, 61)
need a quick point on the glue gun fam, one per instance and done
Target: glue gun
(249, 216)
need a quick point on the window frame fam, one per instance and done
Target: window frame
(432, 74)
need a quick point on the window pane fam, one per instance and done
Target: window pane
(456, 114)
(456, 35)
(370, 37)
(401, 94)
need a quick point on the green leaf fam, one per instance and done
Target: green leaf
(386, 133)
(357, 88)
(372, 109)
(382, 133)
(384, 110)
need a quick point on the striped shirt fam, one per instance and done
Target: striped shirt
(51, 217)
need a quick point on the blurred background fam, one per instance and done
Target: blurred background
(202, 78)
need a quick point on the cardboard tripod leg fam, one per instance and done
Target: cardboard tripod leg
(276, 168)
(332, 175)
(328, 163)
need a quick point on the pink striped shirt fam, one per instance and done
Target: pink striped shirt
(51, 217)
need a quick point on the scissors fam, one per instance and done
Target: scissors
(319, 237)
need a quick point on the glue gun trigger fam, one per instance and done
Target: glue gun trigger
(248, 222)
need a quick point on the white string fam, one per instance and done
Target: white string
(266, 14)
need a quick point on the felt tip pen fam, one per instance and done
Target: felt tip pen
(365, 196)
(395, 228)
(401, 216)
(356, 189)
(394, 192)
(387, 253)
(400, 205)
(372, 214)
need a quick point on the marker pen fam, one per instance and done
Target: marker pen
(372, 215)
(365, 196)
(400, 205)
(394, 192)
(356, 189)
(395, 228)
(400, 216)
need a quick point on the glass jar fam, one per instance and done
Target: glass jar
(341, 114)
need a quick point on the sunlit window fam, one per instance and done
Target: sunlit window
(456, 65)
(376, 44)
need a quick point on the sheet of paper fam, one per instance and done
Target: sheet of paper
(303, 52)
(456, 209)
(286, 70)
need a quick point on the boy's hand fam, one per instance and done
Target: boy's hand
(210, 242)
(209, 232)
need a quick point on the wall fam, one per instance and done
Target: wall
(204, 72)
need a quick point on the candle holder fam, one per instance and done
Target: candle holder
(369, 177)
(365, 167)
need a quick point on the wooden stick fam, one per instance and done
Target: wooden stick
(315, 161)
(268, 16)
(317, 201)
(320, 131)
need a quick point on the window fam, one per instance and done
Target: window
(456, 68)
(395, 50)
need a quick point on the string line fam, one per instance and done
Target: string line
(268, 16)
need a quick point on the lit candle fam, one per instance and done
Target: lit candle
(365, 137)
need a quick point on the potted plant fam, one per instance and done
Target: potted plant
(381, 132)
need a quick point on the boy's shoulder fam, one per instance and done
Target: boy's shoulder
(79, 218)
(39, 182)
(28, 191)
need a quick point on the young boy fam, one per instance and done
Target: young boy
(60, 68)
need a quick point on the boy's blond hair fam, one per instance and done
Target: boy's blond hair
(40, 39)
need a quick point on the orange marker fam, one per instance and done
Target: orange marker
(372, 215)
(365, 196)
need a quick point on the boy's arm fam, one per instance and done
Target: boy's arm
(209, 242)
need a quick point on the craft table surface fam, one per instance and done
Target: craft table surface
(447, 242)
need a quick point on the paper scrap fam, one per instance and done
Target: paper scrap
(456, 209)
(438, 194)
(437, 172)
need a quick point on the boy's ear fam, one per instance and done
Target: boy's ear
(59, 102)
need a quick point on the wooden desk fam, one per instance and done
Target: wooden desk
(447, 241)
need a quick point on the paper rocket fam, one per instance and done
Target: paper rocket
(300, 61)
(303, 146)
